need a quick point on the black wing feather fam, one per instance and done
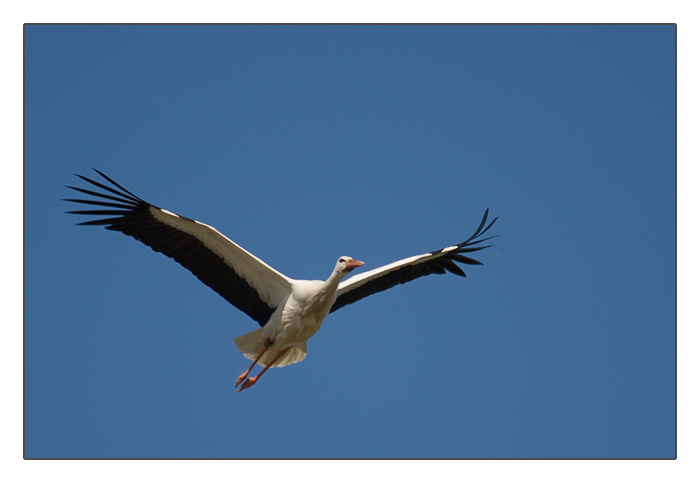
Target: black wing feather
(132, 217)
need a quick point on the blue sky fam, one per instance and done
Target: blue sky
(306, 143)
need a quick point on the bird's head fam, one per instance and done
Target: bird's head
(346, 264)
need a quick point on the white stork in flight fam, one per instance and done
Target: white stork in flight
(289, 311)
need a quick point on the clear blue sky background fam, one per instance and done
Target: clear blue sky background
(306, 143)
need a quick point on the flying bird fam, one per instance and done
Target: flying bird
(289, 311)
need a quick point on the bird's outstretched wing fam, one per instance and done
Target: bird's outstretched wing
(237, 275)
(440, 261)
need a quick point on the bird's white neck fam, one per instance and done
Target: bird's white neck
(325, 295)
(331, 285)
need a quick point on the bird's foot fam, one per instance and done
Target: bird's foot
(248, 383)
(241, 378)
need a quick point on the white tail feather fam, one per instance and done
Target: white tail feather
(250, 345)
(296, 353)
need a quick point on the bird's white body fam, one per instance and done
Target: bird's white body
(293, 323)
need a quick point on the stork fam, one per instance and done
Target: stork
(289, 311)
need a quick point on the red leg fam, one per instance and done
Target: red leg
(242, 377)
(253, 380)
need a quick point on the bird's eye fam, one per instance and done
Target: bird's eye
(341, 260)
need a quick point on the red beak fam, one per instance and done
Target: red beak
(353, 264)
